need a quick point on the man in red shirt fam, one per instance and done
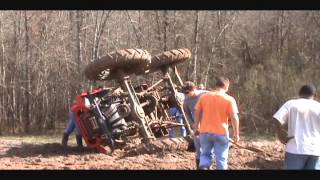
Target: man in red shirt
(70, 128)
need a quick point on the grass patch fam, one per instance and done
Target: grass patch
(32, 138)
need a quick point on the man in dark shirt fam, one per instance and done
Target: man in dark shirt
(191, 99)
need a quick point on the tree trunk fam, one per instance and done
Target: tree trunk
(27, 77)
(78, 49)
(2, 80)
(136, 31)
(196, 43)
(99, 29)
(165, 32)
(159, 34)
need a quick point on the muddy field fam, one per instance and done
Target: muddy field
(19, 153)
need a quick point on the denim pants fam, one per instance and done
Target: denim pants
(220, 145)
(301, 161)
(72, 124)
(183, 131)
(175, 112)
(196, 141)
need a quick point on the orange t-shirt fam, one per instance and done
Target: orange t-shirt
(216, 108)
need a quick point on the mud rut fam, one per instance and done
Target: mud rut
(15, 154)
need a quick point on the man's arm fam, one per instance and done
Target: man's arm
(281, 118)
(197, 115)
(233, 114)
(197, 120)
(188, 113)
(235, 126)
(281, 132)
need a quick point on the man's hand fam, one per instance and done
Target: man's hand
(196, 132)
(283, 136)
(195, 129)
(283, 140)
(282, 133)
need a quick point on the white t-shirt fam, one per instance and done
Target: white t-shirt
(303, 118)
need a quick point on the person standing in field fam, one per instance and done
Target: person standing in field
(302, 135)
(175, 113)
(192, 95)
(212, 113)
(70, 128)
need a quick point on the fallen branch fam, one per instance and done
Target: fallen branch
(252, 149)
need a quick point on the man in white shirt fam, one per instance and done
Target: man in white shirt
(302, 139)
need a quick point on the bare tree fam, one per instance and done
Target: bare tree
(196, 44)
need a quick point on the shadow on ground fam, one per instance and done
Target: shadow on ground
(50, 149)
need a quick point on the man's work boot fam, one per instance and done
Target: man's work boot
(79, 140)
(197, 164)
(65, 139)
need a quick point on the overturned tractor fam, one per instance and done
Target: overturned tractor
(128, 113)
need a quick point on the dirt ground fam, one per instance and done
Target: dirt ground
(19, 153)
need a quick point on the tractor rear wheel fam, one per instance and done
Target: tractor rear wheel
(128, 61)
(169, 58)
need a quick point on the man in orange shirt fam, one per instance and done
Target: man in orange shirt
(216, 108)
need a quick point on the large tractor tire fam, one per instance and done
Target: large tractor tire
(126, 61)
(169, 58)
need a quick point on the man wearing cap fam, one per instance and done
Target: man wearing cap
(191, 99)
(302, 137)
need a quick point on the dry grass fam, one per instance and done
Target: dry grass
(37, 139)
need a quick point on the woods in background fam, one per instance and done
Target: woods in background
(267, 55)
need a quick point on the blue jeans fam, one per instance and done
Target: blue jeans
(301, 161)
(175, 112)
(196, 141)
(72, 124)
(183, 131)
(217, 144)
